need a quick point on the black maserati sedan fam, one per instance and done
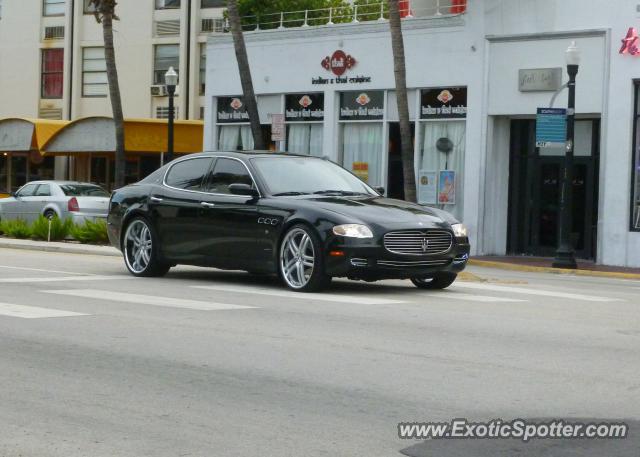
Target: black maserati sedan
(302, 218)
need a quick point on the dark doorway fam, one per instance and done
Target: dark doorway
(534, 191)
(395, 175)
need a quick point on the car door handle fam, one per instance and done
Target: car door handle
(156, 199)
(208, 205)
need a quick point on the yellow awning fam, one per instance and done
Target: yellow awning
(150, 135)
(26, 134)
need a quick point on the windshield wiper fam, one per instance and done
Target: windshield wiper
(337, 192)
(287, 194)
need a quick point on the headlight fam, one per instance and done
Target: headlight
(460, 231)
(353, 231)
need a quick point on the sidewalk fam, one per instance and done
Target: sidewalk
(64, 247)
(543, 265)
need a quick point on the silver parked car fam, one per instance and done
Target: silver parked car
(65, 199)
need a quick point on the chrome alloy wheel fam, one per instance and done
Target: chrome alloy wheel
(297, 258)
(138, 246)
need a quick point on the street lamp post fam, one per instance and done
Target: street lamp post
(564, 254)
(171, 81)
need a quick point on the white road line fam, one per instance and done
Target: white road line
(45, 271)
(33, 312)
(538, 292)
(450, 294)
(66, 279)
(152, 300)
(353, 299)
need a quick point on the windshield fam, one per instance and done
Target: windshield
(83, 190)
(302, 175)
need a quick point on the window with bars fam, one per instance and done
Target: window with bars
(53, 7)
(165, 56)
(203, 68)
(94, 73)
(52, 73)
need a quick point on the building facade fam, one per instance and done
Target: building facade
(52, 67)
(476, 77)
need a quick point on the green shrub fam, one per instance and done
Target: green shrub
(91, 232)
(17, 228)
(59, 229)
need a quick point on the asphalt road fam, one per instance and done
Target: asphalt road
(96, 363)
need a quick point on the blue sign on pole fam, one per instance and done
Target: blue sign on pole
(551, 127)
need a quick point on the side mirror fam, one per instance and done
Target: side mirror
(380, 190)
(243, 189)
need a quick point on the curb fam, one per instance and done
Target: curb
(558, 271)
(55, 247)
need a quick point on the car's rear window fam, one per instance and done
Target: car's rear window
(83, 190)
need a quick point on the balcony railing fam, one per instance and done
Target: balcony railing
(353, 14)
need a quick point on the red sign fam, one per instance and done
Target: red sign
(630, 43)
(338, 63)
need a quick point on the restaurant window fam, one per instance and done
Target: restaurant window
(203, 68)
(635, 185)
(166, 56)
(304, 114)
(442, 153)
(361, 115)
(94, 73)
(4, 170)
(52, 73)
(167, 4)
(213, 3)
(53, 7)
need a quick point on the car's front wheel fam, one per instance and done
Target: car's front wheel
(301, 262)
(141, 250)
(440, 280)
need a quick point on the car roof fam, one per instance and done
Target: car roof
(251, 154)
(60, 183)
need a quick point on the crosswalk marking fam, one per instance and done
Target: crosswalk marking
(152, 300)
(42, 270)
(538, 292)
(65, 279)
(34, 312)
(356, 300)
(450, 294)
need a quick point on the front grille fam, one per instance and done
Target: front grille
(418, 242)
(411, 264)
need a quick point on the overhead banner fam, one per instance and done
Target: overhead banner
(362, 106)
(304, 107)
(444, 103)
(231, 109)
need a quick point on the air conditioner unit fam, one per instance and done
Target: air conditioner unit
(159, 90)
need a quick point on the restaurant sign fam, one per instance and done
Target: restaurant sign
(361, 106)
(304, 107)
(630, 43)
(443, 103)
(232, 109)
(338, 64)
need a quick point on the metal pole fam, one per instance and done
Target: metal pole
(564, 254)
(172, 91)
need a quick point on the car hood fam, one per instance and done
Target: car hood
(386, 211)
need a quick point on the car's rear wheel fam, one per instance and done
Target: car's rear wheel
(49, 214)
(440, 280)
(301, 262)
(140, 249)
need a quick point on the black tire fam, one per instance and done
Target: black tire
(317, 278)
(148, 264)
(50, 214)
(438, 281)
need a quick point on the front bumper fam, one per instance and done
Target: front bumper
(372, 263)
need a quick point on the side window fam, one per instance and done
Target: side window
(27, 191)
(227, 172)
(188, 175)
(44, 190)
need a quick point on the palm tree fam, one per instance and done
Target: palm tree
(104, 11)
(399, 69)
(249, 95)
